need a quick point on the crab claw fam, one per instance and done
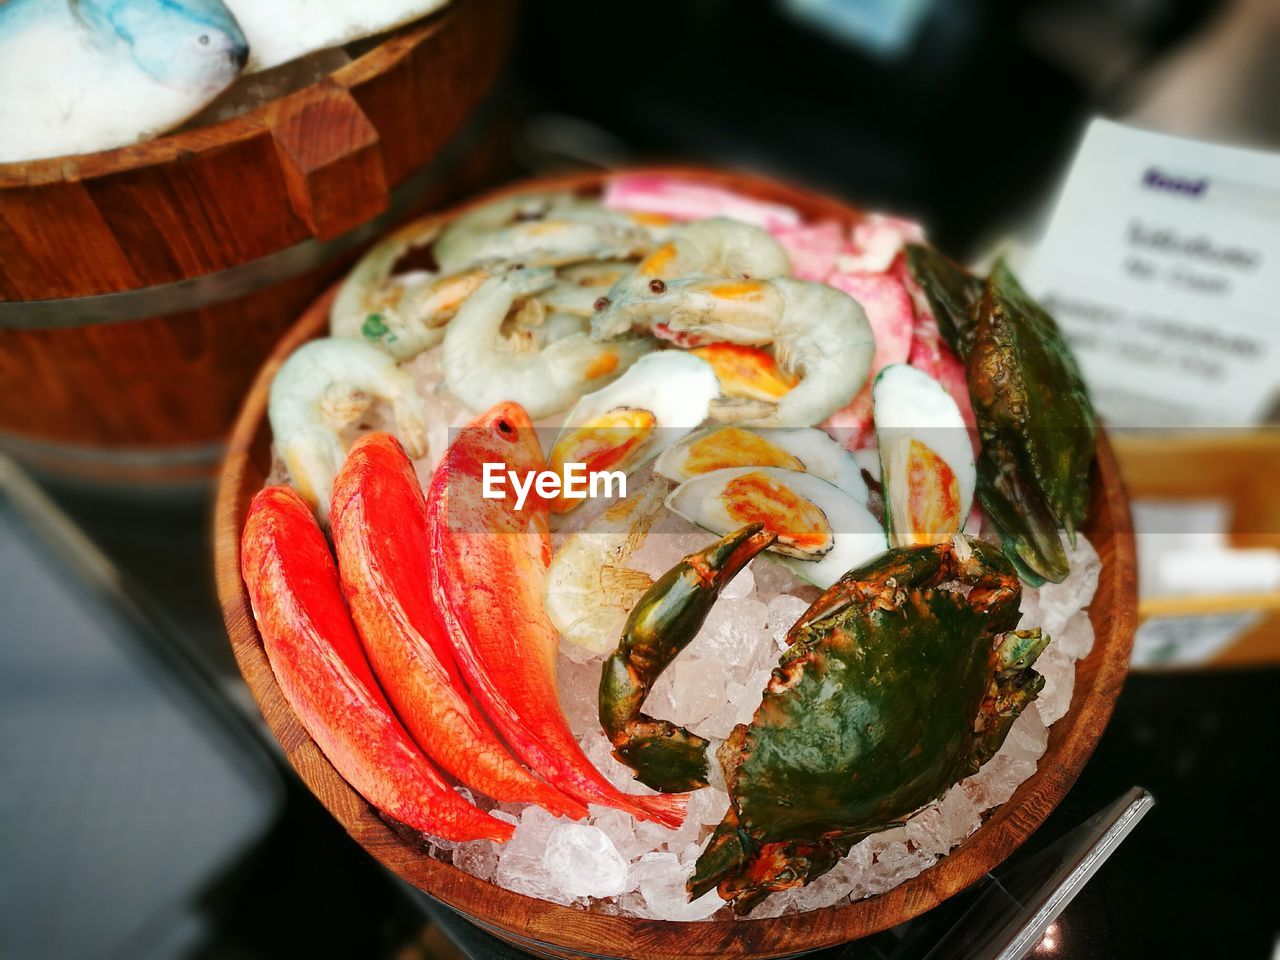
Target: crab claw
(662, 623)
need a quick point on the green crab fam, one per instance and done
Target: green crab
(1036, 422)
(900, 680)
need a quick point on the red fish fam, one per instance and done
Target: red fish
(316, 657)
(378, 518)
(489, 561)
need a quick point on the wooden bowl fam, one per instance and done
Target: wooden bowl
(553, 930)
(141, 288)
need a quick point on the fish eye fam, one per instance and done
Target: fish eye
(657, 286)
(602, 303)
(204, 39)
(505, 428)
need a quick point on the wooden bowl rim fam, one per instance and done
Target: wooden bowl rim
(169, 147)
(541, 924)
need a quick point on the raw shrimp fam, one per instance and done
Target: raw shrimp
(715, 247)
(408, 314)
(552, 230)
(482, 369)
(817, 332)
(405, 315)
(324, 386)
(402, 315)
(535, 325)
(579, 287)
(505, 211)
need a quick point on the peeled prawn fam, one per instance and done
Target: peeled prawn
(482, 369)
(715, 247)
(816, 331)
(324, 386)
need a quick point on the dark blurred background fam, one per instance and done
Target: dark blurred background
(963, 113)
(960, 112)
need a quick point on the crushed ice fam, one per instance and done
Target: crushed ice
(615, 863)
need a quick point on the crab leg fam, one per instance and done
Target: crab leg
(488, 565)
(316, 657)
(662, 623)
(379, 522)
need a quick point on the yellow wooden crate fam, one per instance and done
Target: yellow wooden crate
(1237, 466)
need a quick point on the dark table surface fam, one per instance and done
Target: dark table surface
(1196, 878)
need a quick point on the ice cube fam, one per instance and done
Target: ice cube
(706, 809)
(894, 861)
(478, 858)
(1075, 637)
(998, 779)
(730, 633)
(740, 586)
(620, 827)
(520, 859)
(959, 816)
(688, 691)
(782, 612)
(774, 906)
(579, 685)
(1028, 737)
(660, 878)
(1059, 673)
(773, 579)
(670, 540)
(600, 752)
(829, 889)
(582, 861)
(1029, 607)
(1058, 601)
(927, 829)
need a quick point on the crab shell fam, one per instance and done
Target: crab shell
(900, 680)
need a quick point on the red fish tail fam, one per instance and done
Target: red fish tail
(667, 809)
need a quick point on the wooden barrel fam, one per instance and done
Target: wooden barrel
(141, 288)
(551, 930)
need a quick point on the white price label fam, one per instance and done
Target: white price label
(1162, 265)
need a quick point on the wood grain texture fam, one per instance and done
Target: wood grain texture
(331, 157)
(197, 201)
(313, 164)
(555, 930)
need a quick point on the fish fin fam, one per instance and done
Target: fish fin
(665, 808)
